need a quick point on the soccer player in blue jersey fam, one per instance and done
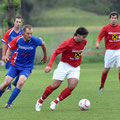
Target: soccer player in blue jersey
(22, 61)
(7, 38)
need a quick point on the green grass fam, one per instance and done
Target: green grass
(68, 16)
(103, 105)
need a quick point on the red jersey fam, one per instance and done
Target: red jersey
(71, 52)
(111, 35)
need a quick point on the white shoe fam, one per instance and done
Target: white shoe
(9, 90)
(53, 105)
(38, 106)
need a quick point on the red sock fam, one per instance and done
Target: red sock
(40, 101)
(103, 79)
(56, 101)
(119, 77)
(65, 93)
(46, 93)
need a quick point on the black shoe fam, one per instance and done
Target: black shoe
(8, 106)
(101, 89)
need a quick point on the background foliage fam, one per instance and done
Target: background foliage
(33, 11)
(57, 20)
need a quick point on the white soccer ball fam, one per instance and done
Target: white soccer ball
(84, 104)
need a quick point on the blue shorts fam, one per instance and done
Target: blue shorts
(7, 65)
(13, 72)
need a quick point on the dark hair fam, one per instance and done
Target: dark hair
(27, 26)
(17, 17)
(113, 14)
(81, 31)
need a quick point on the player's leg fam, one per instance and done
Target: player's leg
(8, 79)
(118, 63)
(5, 84)
(109, 61)
(23, 75)
(119, 74)
(72, 83)
(58, 76)
(103, 78)
(15, 81)
(7, 65)
(73, 77)
(49, 89)
(9, 88)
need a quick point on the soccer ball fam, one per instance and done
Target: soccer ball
(84, 104)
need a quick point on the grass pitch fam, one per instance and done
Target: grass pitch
(104, 105)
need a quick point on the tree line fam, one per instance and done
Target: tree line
(10, 8)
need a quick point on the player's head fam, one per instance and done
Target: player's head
(114, 13)
(27, 32)
(17, 21)
(80, 34)
(113, 17)
(81, 31)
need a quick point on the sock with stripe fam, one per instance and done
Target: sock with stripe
(46, 93)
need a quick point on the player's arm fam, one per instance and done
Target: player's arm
(11, 46)
(4, 49)
(100, 37)
(44, 59)
(4, 45)
(8, 53)
(59, 50)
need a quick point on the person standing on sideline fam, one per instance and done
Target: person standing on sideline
(111, 33)
(69, 66)
(22, 61)
(7, 38)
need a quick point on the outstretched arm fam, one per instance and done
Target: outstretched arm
(58, 51)
(44, 59)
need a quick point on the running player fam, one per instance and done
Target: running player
(69, 66)
(22, 61)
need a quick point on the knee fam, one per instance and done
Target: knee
(72, 87)
(55, 85)
(21, 82)
(106, 71)
(7, 82)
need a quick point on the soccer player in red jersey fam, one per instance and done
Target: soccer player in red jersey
(111, 33)
(69, 66)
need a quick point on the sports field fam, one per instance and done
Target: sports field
(103, 105)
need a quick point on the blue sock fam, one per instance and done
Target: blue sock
(16, 80)
(14, 94)
(9, 86)
(1, 92)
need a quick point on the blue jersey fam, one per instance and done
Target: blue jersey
(8, 37)
(24, 57)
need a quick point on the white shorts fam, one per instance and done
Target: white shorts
(65, 69)
(112, 57)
